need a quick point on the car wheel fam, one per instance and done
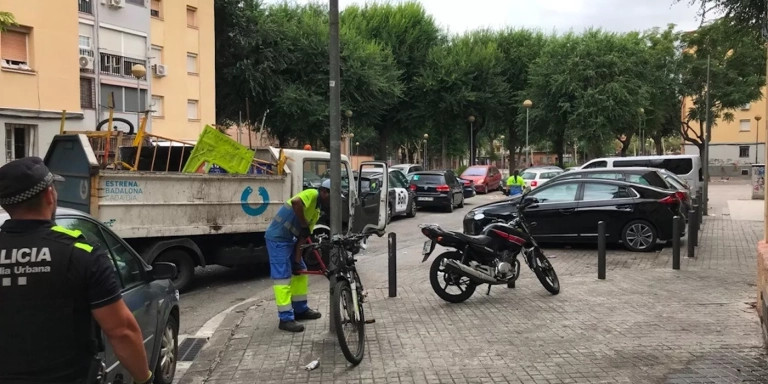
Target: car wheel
(411, 210)
(389, 213)
(449, 208)
(185, 268)
(169, 352)
(639, 236)
(461, 205)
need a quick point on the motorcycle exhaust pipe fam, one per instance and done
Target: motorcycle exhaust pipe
(477, 276)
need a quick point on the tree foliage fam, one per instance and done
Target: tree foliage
(6, 20)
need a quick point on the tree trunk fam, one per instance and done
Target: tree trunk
(658, 143)
(444, 153)
(559, 149)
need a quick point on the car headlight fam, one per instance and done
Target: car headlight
(470, 215)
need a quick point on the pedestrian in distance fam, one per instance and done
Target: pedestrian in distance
(515, 183)
(286, 234)
(58, 293)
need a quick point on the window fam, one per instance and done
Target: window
(630, 163)
(676, 166)
(315, 171)
(192, 17)
(401, 178)
(13, 49)
(745, 107)
(743, 150)
(638, 179)
(20, 141)
(154, 8)
(129, 268)
(744, 125)
(84, 42)
(191, 63)
(595, 191)
(192, 110)
(124, 98)
(156, 55)
(157, 106)
(609, 176)
(87, 99)
(597, 164)
(557, 194)
(136, 2)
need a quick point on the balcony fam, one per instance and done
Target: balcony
(85, 6)
(116, 65)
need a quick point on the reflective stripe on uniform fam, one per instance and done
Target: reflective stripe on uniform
(295, 298)
(84, 247)
(289, 226)
(70, 232)
(281, 281)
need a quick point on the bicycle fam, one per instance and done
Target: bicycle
(347, 292)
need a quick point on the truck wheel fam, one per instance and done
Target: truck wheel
(185, 268)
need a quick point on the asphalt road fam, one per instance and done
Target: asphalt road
(217, 289)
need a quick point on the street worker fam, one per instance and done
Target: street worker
(515, 183)
(57, 292)
(288, 231)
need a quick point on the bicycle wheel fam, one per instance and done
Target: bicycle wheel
(349, 330)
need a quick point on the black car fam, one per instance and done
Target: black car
(437, 189)
(568, 211)
(469, 187)
(655, 177)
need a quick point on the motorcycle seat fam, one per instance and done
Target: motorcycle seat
(479, 239)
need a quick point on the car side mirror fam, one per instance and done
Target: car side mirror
(162, 270)
(528, 201)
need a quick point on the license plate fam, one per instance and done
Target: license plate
(427, 247)
(426, 198)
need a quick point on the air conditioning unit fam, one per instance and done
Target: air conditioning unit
(116, 3)
(86, 62)
(160, 70)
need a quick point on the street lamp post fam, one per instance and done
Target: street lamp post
(350, 136)
(357, 153)
(138, 71)
(503, 164)
(471, 120)
(641, 131)
(426, 162)
(757, 133)
(527, 104)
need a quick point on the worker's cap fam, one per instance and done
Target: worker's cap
(22, 179)
(326, 184)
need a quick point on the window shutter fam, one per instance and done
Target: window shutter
(13, 46)
(191, 17)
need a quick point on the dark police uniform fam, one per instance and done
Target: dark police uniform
(50, 280)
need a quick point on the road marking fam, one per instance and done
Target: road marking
(211, 325)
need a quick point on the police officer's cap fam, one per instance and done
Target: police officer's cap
(24, 178)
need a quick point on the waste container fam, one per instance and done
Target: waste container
(758, 181)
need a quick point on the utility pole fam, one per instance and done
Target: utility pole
(335, 114)
(705, 158)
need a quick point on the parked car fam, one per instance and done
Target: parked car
(638, 216)
(147, 291)
(687, 167)
(402, 199)
(408, 168)
(469, 187)
(658, 178)
(536, 176)
(437, 189)
(486, 177)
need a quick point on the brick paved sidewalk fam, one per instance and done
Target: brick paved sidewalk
(645, 324)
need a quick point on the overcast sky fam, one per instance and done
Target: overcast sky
(458, 16)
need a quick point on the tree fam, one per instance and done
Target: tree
(744, 13)
(409, 33)
(735, 61)
(6, 20)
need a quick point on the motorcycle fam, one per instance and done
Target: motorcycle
(490, 258)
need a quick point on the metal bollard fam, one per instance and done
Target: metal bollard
(691, 246)
(693, 226)
(601, 250)
(696, 205)
(676, 242)
(392, 244)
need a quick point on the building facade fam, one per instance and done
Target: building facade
(735, 145)
(90, 48)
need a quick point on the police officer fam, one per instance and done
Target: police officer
(53, 286)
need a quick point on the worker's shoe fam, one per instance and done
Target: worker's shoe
(291, 326)
(309, 314)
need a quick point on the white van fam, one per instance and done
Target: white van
(687, 167)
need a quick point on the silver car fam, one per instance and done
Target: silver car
(147, 291)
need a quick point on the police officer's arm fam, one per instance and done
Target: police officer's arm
(113, 316)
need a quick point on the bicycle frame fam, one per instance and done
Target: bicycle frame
(323, 268)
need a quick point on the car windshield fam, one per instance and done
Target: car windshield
(475, 171)
(528, 175)
(427, 179)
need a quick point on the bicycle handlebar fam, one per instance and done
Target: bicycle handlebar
(343, 240)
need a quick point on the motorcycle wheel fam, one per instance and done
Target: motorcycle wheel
(442, 280)
(545, 272)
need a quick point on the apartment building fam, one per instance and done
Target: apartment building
(74, 55)
(38, 75)
(735, 145)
